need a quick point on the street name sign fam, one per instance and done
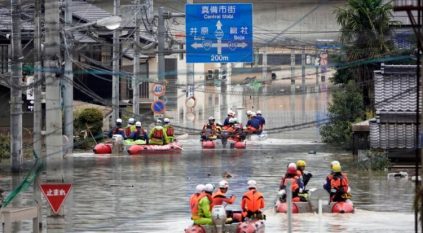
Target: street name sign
(55, 194)
(219, 33)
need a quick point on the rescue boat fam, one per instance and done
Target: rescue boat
(142, 149)
(306, 207)
(103, 148)
(219, 224)
(208, 144)
(237, 144)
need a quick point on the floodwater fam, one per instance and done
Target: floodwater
(149, 193)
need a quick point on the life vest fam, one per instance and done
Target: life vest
(158, 133)
(252, 201)
(193, 200)
(340, 183)
(129, 129)
(294, 183)
(194, 208)
(140, 134)
(169, 131)
(219, 197)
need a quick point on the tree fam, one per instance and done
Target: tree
(346, 108)
(365, 34)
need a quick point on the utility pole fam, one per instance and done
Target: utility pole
(303, 71)
(37, 100)
(15, 89)
(116, 65)
(54, 141)
(68, 82)
(292, 71)
(136, 77)
(161, 43)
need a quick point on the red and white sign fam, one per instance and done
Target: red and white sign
(55, 194)
(159, 89)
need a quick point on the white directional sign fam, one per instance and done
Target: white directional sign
(219, 33)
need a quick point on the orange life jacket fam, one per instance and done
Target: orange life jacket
(339, 183)
(158, 134)
(294, 183)
(193, 200)
(219, 197)
(194, 207)
(252, 201)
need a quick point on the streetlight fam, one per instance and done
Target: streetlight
(111, 23)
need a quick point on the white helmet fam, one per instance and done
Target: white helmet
(249, 112)
(258, 112)
(158, 121)
(211, 118)
(231, 113)
(253, 114)
(166, 120)
(131, 121)
(209, 188)
(199, 188)
(119, 120)
(138, 124)
(223, 184)
(252, 184)
(292, 165)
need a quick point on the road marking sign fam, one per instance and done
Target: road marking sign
(55, 194)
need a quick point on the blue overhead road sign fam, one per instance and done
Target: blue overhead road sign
(219, 33)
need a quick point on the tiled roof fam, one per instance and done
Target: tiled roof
(392, 136)
(395, 88)
(6, 21)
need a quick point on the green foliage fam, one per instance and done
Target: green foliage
(4, 146)
(88, 123)
(365, 26)
(345, 109)
(375, 160)
(366, 34)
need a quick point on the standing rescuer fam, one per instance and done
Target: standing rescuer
(202, 212)
(296, 183)
(252, 202)
(195, 197)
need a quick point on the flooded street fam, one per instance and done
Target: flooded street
(149, 193)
